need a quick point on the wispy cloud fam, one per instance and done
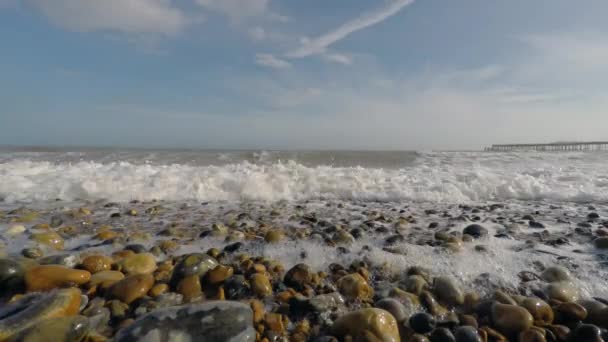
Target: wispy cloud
(320, 44)
(236, 9)
(270, 61)
(127, 16)
(338, 58)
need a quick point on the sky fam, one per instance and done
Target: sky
(294, 74)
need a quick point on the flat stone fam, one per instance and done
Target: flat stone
(215, 321)
(48, 277)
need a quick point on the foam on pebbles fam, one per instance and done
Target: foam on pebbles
(303, 271)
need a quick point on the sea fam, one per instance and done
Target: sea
(204, 175)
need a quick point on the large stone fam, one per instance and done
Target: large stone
(48, 277)
(215, 321)
(33, 309)
(367, 325)
(511, 319)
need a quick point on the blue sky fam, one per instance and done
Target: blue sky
(293, 74)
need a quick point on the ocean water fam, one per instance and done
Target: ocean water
(200, 188)
(446, 177)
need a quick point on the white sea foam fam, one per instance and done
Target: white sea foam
(440, 177)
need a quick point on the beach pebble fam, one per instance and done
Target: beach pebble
(511, 319)
(219, 274)
(260, 285)
(354, 286)
(467, 334)
(298, 276)
(586, 333)
(142, 263)
(48, 277)
(540, 311)
(442, 335)
(571, 312)
(562, 291)
(190, 288)
(395, 307)
(415, 284)
(106, 278)
(555, 273)
(475, 230)
(221, 321)
(131, 288)
(194, 264)
(50, 239)
(370, 324)
(274, 236)
(422, 322)
(15, 230)
(448, 291)
(97, 263)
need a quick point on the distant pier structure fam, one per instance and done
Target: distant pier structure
(552, 147)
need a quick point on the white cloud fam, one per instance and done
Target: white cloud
(236, 9)
(320, 44)
(257, 33)
(128, 16)
(271, 61)
(338, 58)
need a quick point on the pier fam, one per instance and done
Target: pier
(552, 147)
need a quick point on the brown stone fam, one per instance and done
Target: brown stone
(354, 286)
(258, 310)
(540, 310)
(511, 319)
(370, 324)
(219, 274)
(190, 288)
(50, 239)
(158, 289)
(143, 263)
(105, 279)
(132, 287)
(48, 277)
(97, 263)
(260, 285)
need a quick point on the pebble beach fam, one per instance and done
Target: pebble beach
(237, 247)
